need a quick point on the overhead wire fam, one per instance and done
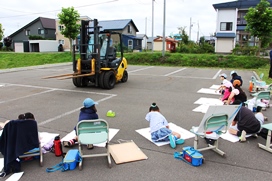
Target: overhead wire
(83, 6)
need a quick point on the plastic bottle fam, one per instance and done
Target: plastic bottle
(250, 86)
(58, 146)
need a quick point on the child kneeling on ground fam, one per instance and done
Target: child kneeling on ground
(159, 127)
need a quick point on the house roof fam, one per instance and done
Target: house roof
(133, 37)
(116, 24)
(240, 4)
(142, 36)
(160, 38)
(47, 23)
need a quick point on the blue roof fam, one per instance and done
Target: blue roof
(240, 4)
(116, 24)
(133, 37)
(225, 35)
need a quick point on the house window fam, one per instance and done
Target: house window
(226, 26)
(27, 32)
(41, 32)
(129, 29)
(61, 42)
(60, 27)
(130, 44)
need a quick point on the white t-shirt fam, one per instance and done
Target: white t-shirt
(235, 91)
(260, 117)
(156, 121)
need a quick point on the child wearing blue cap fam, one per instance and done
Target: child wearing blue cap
(87, 112)
(159, 127)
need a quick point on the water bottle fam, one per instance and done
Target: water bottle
(57, 146)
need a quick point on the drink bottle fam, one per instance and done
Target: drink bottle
(57, 146)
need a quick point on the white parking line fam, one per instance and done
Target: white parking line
(137, 70)
(175, 72)
(217, 74)
(69, 112)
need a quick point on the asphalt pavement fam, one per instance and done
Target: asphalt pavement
(56, 103)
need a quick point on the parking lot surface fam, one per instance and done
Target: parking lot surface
(56, 103)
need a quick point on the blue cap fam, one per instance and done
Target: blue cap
(88, 102)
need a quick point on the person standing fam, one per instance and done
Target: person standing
(270, 70)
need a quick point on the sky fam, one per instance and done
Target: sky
(17, 13)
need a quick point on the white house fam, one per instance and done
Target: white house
(231, 24)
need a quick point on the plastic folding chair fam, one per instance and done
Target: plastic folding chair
(214, 126)
(35, 152)
(258, 85)
(93, 132)
(265, 95)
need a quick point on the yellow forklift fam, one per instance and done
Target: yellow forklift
(94, 58)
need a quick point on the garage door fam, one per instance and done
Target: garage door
(18, 47)
(224, 45)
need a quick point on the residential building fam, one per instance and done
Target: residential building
(170, 44)
(231, 25)
(125, 26)
(144, 40)
(43, 27)
(60, 37)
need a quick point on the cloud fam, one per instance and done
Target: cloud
(16, 13)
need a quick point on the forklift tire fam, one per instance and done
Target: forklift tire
(77, 82)
(80, 81)
(109, 80)
(125, 76)
(101, 80)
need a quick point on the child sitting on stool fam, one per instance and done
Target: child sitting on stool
(159, 127)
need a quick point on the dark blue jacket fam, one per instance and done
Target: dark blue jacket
(237, 78)
(87, 114)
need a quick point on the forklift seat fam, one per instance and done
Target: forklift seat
(111, 53)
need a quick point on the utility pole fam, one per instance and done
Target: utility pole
(153, 25)
(190, 27)
(163, 40)
(145, 34)
(197, 40)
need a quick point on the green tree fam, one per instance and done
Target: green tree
(69, 17)
(259, 23)
(1, 32)
(183, 34)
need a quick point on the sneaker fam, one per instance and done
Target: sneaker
(66, 143)
(255, 135)
(172, 141)
(2, 175)
(90, 146)
(243, 136)
(179, 141)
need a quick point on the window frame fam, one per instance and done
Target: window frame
(226, 26)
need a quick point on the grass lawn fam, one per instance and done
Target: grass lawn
(14, 60)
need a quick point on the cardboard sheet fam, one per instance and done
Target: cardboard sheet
(209, 101)
(208, 91)
(215, 87)
(185, 134)
(1, 163)
(15, 176)
(202, 108)
(72, 134)
(126, 152)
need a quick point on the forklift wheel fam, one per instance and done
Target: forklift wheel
(125, 76)
(109, 80)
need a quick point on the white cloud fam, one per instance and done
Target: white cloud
(17, 13)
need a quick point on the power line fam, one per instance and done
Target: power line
(83, 6)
